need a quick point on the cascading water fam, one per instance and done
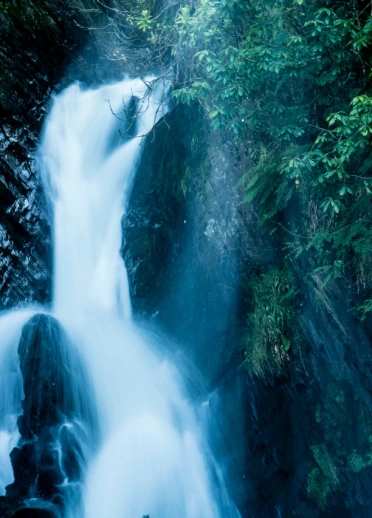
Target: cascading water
(11, 389)
(143, 452)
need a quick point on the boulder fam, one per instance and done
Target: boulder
(57, 424)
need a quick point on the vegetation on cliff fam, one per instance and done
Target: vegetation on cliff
(290, 83)
(287, 84)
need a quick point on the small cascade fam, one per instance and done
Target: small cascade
(11, 392)
(105, 427)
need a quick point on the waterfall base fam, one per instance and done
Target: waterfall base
(49, 460)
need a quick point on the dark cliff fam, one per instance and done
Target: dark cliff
(297, 442)
(43, 48)
(37, 40)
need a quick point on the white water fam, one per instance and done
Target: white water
(152, 458)
(11, 390)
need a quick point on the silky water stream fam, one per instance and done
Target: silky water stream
(104, 412)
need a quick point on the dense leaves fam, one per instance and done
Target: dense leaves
(289, 81)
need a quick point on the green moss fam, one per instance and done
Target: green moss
(325, 463)
(345, 426)
(356, 462)
(318, 487)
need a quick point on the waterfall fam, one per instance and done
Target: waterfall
(138, 450)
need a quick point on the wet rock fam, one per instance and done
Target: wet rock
(34, 513)
(187, 243)
(13, 508)
(56, 426)
(299, 442)
(184, 238)
(37, 38)
(47, 366)
(44, 48)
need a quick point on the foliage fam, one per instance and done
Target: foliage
(4, 7)
(263, 184)
(270, 333)
(289, 81)
(143, 20)
(365, 308)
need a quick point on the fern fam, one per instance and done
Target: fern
(270, 333)
(268, 185)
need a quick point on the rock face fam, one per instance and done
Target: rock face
(27, 512)
(185, 239)
(25, 254)
(38, 40)
(56, 426)
(35, 45)
(298, 443)
(187, 244)
(43, 48)
(12, 508)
